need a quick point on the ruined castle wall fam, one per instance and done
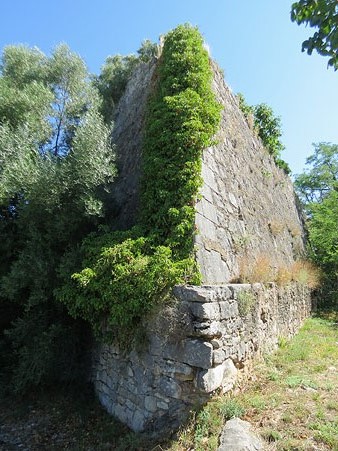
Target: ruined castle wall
(248, 206)
(194, 347)
(127, 137)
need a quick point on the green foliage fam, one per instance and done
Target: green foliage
(55, 157)
(315, 184)
(246, 109)
(318, 189)
(323, 233)
(125, 274)
(115, 75)
(124, 278)
(230, 408)
(182, 118)
(322, 15)
(268, 127)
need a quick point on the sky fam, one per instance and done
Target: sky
(254, 42)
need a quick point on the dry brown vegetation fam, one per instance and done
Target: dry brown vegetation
(264, 270)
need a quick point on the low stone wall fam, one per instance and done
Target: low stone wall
(193, 347)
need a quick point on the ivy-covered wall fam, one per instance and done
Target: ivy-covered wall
(124, 275)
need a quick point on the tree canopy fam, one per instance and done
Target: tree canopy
(318, 189)
(322, 15)
(56, 160)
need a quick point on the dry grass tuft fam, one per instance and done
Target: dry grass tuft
(263, 270)
(306, 273)
(283, 275)
(259, 270)
(276, 227)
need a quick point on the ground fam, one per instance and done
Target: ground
(291, 401)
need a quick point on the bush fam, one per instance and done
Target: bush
(124, 278)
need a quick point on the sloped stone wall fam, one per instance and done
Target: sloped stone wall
(194, 347)
(127, 136)
(248, 206)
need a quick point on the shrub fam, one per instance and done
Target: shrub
(123, 279)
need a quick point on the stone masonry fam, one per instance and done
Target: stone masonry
(194, 347)
(248, 207)
(200, 343)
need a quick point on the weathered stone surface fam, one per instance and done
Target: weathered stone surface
(223, 375)
(206, 310)
(237, 436)
(168, 378)
(243, 191)
(194, 349)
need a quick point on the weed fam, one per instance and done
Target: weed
(230, 408)
(242, 242)
(298, 381)
(271, 435)
(282, 342)
(245, 300)
(258, 402)
(259, 270)
(305, 273)
(326, 433)
(266, 174)
(283, 275)
(273, 376)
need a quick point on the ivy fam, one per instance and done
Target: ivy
(268, 128)
(125, 274)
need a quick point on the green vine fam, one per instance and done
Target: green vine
(127, 273)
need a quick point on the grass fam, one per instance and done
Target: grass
(291, 401)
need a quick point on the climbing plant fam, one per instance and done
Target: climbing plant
(124, 274)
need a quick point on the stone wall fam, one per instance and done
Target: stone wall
(194, 347)
(248, 206)
(127, 136)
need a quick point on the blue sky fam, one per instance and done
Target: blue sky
(255, 43)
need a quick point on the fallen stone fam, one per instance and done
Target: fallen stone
(237, 436)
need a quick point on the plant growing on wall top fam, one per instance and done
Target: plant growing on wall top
(126, 273)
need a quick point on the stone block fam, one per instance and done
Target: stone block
(206, 228)
(229, 375)
(237, 436)
(216, 343)
(194, 293)
(209, 330)
(224, 309)
(195, 353)
(150, 403)
(138, 421)
(170, 388)
(218, 357)
(208, 311)
(211, 379)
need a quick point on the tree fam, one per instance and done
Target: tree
(115, 74)
(55, 161)
(318, 189)
(315, 184)
(322, 15)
